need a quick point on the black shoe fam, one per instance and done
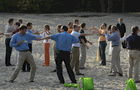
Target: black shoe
(102, 64)
(54, 70)
(120, 74)
(82, 67)
(10, 81)
(10, 65)
(113, 74)
(61, 82)
(137, 81)
(31, 81)
(79, 74)
(74, 82)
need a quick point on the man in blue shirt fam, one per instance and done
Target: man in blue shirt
(64, 43)
(20, 42)
(114, 37)
(133, 45)
(26, 65)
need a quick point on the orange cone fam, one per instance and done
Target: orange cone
(46, 54)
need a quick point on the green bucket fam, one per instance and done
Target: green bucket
(130, 85)
(86, 83)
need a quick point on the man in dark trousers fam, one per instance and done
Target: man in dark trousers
(9, 29)
(64, 43)
(121, 26)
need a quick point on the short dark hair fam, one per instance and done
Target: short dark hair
(109, 27)
(20, 20)
(83, 25)
(76, 20)
(59, 26)
(23, 27)
(134, 29)
(114, 28)
(29, 24)
(65, 28)
(47, 27)
(17, 23)
(10, 20)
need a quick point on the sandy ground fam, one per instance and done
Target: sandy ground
(45, 80)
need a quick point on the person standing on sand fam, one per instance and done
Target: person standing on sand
(83, 46)
(76, 49)
(26, 65)
(122, 29)
(54, 47)
(46, 33)
(133, 46)
(9, 29)
(64, 43)
(20, 42)
(114, 37)
(102, 44)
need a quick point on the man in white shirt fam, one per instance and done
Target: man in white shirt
(9, 29)
(75, 50)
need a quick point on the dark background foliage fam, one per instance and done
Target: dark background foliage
(55, 6)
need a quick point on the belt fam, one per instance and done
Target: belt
(75, 47)
(134, 49)
(63, 51)
(115, 45)
(23, 50)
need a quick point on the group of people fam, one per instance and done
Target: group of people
(70, 44)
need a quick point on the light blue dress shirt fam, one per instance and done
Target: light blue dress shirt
(64, 41)
(18, 38)
(114, 37)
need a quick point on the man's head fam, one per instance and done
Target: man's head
(103, 26)
(83, 25)
(135, 29)
(76, 22)
(22, 29)
(11, 21)
(64, 28)
(120, 20)
(29, 25)
(70, 25)
(114, 28)
(20, 21)
(47, 27)
(17, 25)
(76, 28)
(59, 28)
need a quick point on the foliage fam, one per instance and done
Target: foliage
(55, 6)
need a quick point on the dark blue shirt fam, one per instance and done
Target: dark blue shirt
(64, 41)
(133, 42)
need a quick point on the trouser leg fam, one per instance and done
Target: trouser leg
(8, 52)
(30, 60)
(21, 59)
(83, 56)
(68, 67)
(59, 66)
